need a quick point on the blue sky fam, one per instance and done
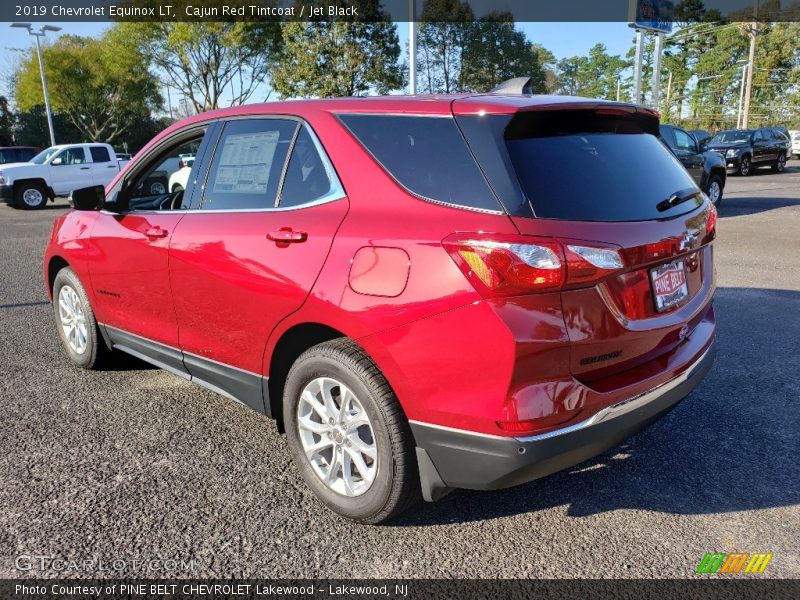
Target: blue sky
(563, 39)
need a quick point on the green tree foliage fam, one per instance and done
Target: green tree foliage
(339, 58)
(102, 86)
(444, 34)
(30, 128)
(549, 66)
(496, 51)
(593, 76)
(205, 60)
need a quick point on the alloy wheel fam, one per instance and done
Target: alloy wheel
(781, 164)
(73, 319)
(744, 169)
(714, 191)
(337, 437)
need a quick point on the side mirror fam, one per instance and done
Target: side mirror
(57, 161)
(704, 146)
(88, 198)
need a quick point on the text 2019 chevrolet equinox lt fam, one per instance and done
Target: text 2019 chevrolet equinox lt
(426, 293)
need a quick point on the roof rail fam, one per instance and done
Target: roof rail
(518, 85)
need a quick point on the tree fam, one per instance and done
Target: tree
(6, 123)
(100, 85)
(444, 31)
(204, 59)
(496, 51)
(548, 64)
(594, 76)
(339, 58)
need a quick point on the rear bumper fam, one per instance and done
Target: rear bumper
(452, 458)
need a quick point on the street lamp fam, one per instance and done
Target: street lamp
(39, 32)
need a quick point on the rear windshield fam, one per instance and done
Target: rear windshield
(577, 165)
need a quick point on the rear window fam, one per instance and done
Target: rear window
(99, 154)
(426, 155)
(578, 165)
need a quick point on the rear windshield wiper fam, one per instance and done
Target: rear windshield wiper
(677, 198)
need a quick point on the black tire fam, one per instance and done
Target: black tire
(96, 350)
(396, 486)
(30, 196)
(745, 166)
(780, 164)
(715, 180)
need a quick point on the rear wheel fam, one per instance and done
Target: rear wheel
(715, 188)
(31, 196)
(745, 166)
(780, 164)
(348, 435)
(75, 321)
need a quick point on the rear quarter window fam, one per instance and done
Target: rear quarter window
(427, 155)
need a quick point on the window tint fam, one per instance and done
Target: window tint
(248, 163)
(579, 166)
(780, 135)
(684, 141)
(427, 155)
(8, 156)
(758, 136)
(99, 154)
(307, 178)
(72, 156)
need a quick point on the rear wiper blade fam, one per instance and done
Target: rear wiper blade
(677, 198)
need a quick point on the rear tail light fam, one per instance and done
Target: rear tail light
(516, 265)
(711, 222)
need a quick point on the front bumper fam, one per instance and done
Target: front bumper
(732, 164)
(452, 458)
(7, 194)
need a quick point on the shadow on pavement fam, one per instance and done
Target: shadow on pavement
(730, 446)
(734, 206)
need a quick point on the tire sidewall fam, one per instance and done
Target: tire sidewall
(21, 193)
(742, 172)
(718, 180)
(308, 368)
(87, 359)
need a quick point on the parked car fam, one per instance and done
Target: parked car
(177, 181)
(123, 156)
(707, 168)
(796, 144)
(700, 135)
(15, 154)
(746, 149)
(470, 291)
(57, 171)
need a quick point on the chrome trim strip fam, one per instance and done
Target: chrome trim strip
(606, 414)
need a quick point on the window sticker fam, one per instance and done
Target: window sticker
(245, 163)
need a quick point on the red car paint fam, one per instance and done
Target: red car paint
(373, 267)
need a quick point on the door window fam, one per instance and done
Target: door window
(684, 141)
(71, 156)
(757, 137)
(309, 176)
(99, 154)
(248, 164)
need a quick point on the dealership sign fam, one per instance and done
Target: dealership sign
(654, 15)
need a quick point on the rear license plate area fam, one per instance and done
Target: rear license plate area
(669, 286)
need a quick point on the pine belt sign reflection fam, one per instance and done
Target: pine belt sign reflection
(733, 563)
(655, 15)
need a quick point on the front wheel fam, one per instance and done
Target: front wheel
(715, 188)
(348, 435)
(780, 164)
(745, 166)
(75, 320)
(31, 196)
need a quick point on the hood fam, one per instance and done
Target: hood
(6, 166)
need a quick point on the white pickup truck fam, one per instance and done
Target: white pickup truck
(57, 171)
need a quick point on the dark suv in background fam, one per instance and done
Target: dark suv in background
(706, 168)
(15, 154)
(745, 149)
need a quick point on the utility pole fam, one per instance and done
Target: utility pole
(412, 48)
(750, 67)
(741, 97)
(669, 96)
(619, 86)
(637, 67)
(40, 33)
(656, 85)
(169, 103)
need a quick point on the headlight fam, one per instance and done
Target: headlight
(731, 153)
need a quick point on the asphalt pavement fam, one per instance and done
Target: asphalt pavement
(166, 478)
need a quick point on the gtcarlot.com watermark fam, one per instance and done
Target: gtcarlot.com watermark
(90, 565)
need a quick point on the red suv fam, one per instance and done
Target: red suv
(426, 293)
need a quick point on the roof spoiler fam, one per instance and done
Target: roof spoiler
(518, 85)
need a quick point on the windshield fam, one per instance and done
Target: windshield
(731, 137)
(40, 158)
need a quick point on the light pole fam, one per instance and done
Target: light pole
(39, 32)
